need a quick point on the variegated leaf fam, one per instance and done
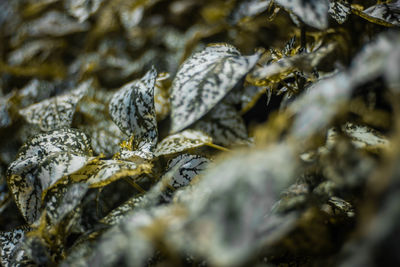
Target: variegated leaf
(248, 9)
(161, 96)
(69, 149)
(384, 14)
(181, 170)
(105, 172)
(82, 9)
(132, 109)
(225, 125)
(56, 112)
(203, 80)
(54, 23)
(117, 214)
(340, 10)
(312, 12)
(182, 141)
(63, 199)
(364, 137)
(281, 68)
(5, 119)
(12, 252)
(251, 94)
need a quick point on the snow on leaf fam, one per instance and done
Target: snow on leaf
(82, 9)
(34, 163)
(132, 109)
(179, 142)
(225, 125)
(11, 248)
(312, 12)
(339, 10)
(384, 14)
(55, 112)
(203, 80)
(182, 169)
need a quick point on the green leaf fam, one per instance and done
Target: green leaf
(203, 80)
(132, 109)
(179, 142)
(56, 112)
(312, 12)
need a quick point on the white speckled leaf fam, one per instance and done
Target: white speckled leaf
(182, 170)
(340, 10)
(132, 109)
(312, 12)
(34, 163)
(54, 23)
(117, 214)
(63, 199)
(384, 14)
(82, 9)
(182, 141)
(225, 125)
(56, 112)
(363, 136)
(11, 249)
(108, 171)
(203, 80)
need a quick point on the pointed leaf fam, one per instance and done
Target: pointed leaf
(387, 14)
(182, 141)
(340, 10)
(132, 109)
(203, 80)
(56, 112)
(311, 12)
(41, 162)
(182, 170)
(225, 125)
(11, 248)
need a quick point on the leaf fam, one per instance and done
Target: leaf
(181, 170)
(105, 172)
(54, 23)
(225, 125)
(280, 69)
(340, 10)
(312, 12)
(117, 214)
(62, 200)
(5, 119)
(250, 96)
(179, 142)
(56, 112)
(12, 252)
(363, 136)
(383, 14)
(203, 80)
(161, 96)
(41, 162)
(82, 9)
(132, 109)
(248, 9)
